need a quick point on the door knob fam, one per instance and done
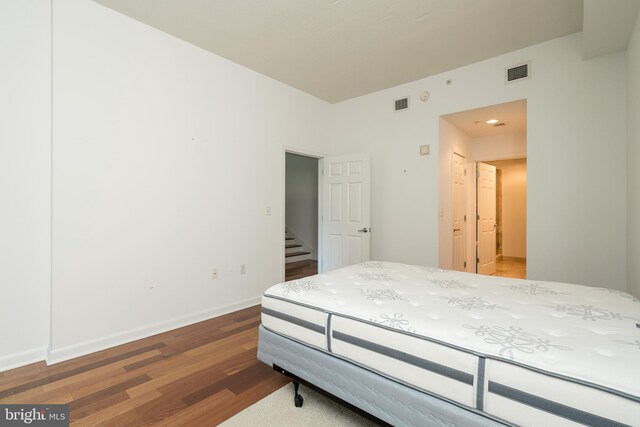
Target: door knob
(363, 230)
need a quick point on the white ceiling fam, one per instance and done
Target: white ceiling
(340, 49)
(473, 122)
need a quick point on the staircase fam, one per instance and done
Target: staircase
(294, 251)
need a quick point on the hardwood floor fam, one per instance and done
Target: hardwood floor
(198, 375)
(511, 267)
(300, 269)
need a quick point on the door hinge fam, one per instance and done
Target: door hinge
(465, 264)
(465, 172)
(465, 218)
(477, 217)
(477, 260)
(477, 174)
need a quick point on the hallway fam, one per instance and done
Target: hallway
(511, 267)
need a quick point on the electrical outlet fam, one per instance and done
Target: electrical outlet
(214, 273)
(243, 269)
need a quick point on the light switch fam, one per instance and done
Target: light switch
(424, 150)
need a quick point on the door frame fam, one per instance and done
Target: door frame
(444, 213)
(306, 153)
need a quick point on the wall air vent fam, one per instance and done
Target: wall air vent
(401, 104)
(517, 72)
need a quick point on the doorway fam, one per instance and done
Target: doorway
(301, 216)
(483, 190)
(327, 212)
(511, 217)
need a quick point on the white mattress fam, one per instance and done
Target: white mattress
(521, 351)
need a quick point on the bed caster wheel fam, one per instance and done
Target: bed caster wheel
(297, 398)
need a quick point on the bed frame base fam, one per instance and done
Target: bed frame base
(382, 400)
(298, 400)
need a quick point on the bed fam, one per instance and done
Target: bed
(415, 346)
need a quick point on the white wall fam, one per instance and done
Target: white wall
(501, 146)
(166, 158)
(25, 171)
(301, 194)
(576, 146)
(633, 158)
(514, 207)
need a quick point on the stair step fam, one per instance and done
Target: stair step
(293, 245)
(296, 254)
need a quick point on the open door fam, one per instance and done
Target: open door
(486, 184)
(346, 211)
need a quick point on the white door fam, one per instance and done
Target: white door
(459, 205)
(346, 210)
(486, 184)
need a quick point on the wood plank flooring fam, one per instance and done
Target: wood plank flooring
(198, 375)
(511, 267)
(300, 269)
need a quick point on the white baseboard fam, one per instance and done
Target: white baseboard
(76, 350)
(17, 360)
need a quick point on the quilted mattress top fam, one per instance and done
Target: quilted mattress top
(584, 333)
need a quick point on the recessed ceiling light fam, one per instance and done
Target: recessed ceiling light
(492, 121)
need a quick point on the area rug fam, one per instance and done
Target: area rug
(278, 409)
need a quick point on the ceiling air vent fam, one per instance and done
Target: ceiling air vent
(517, 72)
(401, 104)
